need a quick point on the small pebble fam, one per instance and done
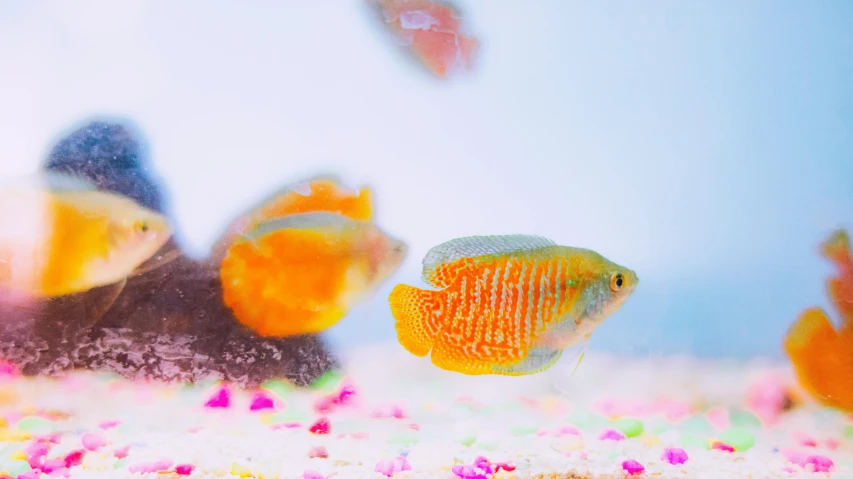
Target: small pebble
(184, 469)
(467, 439)
(674, 455)
(74, 458)
(318, 451)
(36, 425)
(738, 438)
(629, 426)
(93, 441)
(261, 402)
(311, 474)
(611, 435)
(721, 446)
(322, 426)
(632, 467)
(147, 467)
(220, 399)
(17, 467)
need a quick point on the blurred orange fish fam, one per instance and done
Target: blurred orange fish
(323, 193)
(60, 235)
(507, 305)
(301, 273)
(822, 356)
(432, 31)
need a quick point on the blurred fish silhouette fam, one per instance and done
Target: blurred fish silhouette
(508, 305)
(299, 261)
(60, 235)
(302, 273)
(822, 356)
(431, 30)
(322, 193)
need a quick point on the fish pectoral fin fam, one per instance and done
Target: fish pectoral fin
(537, 360)
(474, 246)
(99, 300)
(168, 253)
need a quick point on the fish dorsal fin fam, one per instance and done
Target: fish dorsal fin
(470, 247)
(299, 221)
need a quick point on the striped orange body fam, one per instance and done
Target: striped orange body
(506, 312)
(495, 311)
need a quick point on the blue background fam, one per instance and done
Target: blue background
(707, 145)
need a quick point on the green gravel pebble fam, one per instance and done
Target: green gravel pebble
(120, 463)
(327, 382)
(487, 445)
(587, 420)
(404, 438)
(744, 419)
(17, 467)
(692, 440)
(288, 415)
(467, 439)
(278, 387)
(629, 426)
(523, 430)
(696, 424)
(739, 438)
(35, 424)
(848, 431)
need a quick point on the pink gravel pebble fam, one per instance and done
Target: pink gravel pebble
(820, 463)
(261, 401)
(52, 465)
(109, 424)
(122, 452)
(74, 458)
(220, 399)
(632, 467)
(93, 441)
(385, 467)
(318, 451)
(721, 446)
(311, 474)
(611, 435)
(674, 455)
(184, 469)
(321, 426)
(146, 467)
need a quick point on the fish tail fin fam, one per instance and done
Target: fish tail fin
(811, 331)
(837, 247)
(412, 308)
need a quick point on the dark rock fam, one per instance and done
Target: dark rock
(168, 324)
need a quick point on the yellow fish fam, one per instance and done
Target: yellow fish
(301, 273)
(507, 305)
(60, 235)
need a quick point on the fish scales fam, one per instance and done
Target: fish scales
(504, 301)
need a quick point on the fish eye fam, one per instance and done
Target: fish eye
(142, 226)
(616, 282)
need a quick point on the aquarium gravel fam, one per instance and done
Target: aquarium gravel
(396, 415)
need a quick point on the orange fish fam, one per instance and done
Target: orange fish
(507, 305)
(322, 193)
(822, 356)
(432, 31)
(301, 273)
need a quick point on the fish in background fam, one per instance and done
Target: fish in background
(60, 234)
(821, 354)
(301, 261)
(432, 31)
(321, 193)
(507, 305)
